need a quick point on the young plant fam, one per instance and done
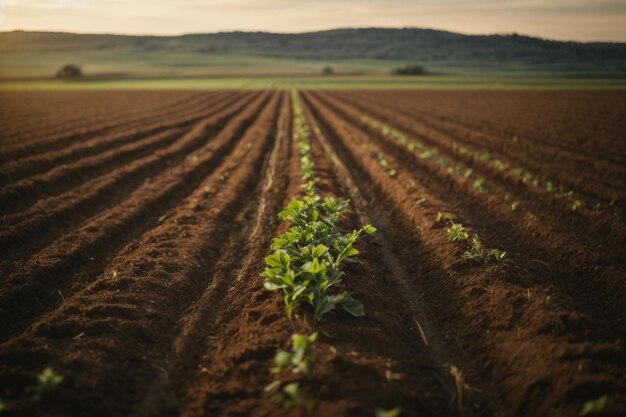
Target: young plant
(306, 259)
(479, 184)
(594, 406)
(47, 381)
(394, 412)
(457, 233)
(476, 251)
(300, 360)
(302, 135)
(498, 254)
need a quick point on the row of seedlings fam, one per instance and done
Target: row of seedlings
(305, 265)
(485, 158)
(474, 249)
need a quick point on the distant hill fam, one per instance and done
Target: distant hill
(437, 50)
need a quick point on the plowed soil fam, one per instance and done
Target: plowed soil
(133, 228)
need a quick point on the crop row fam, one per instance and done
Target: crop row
(305, 264)
(484, 158)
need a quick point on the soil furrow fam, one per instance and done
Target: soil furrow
(597, 187)
(253, 229)
(33, 164)
(513, 329)
(24, 193)
(51, 143)
(102, 108)
(36, 284)
(32, 229)
(159, 276)
(112, 105)
(596, 285)
(525, 127)
(603, 235)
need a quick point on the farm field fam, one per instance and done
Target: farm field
(135, 226)
(314, 82)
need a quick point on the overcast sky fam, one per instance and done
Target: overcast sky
(585, 20)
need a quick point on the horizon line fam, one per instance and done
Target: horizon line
(313, 31)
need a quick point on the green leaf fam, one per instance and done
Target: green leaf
(282, 360)
(325, 305)
(279, 259)
(351, 305)
(272, 285)
(498, 254)
(594, 406)
(273, 386)
(292, 390)
(369, 229)
(351, 252)
(313, 267)
(394, 412)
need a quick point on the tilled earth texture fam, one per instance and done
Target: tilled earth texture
(134, 227)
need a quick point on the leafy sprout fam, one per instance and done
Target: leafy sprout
(47, 381)
(456, 232)
(476, 251)
(594, 406)
(394, 412)
(301, 359)
(498, 254)
(306, 259)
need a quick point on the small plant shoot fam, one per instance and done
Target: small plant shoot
(47, 381)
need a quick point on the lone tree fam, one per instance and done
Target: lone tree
(409, 70)
(70, 71)
(328, 70)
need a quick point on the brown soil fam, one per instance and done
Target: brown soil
(176, 193)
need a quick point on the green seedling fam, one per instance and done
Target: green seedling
(456, 232)
(439, 216)
(286, 394)
(576, 205)
(392, 173)
(501, 166)
(498, 254)
(479, 184)
(300, 360)
(468, 173)
(484, 157)
(549, 186)
(514, 205)
(306, 259)
(394, 412)
(115, 276)
(594, 406)
(476, 251)
(47, 381)
(302, 134)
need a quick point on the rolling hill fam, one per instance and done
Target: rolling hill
(369, 50)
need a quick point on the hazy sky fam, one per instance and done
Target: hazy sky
(558, 19)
